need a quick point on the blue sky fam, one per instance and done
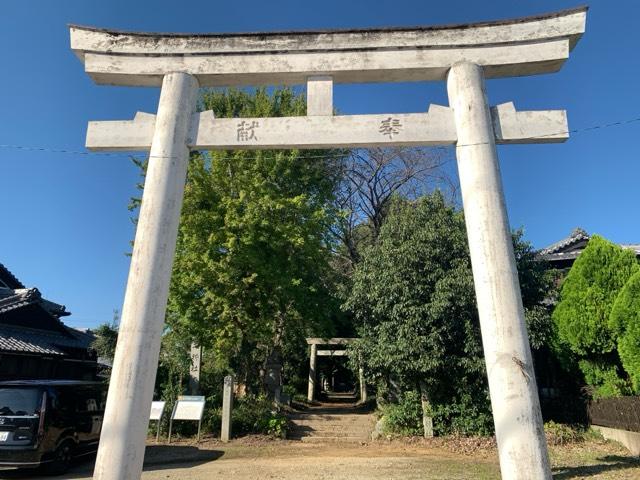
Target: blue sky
(65, 225)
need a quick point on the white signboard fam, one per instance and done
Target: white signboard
(189, 408)
(157, 408)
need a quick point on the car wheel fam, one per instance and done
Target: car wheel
(61, 460)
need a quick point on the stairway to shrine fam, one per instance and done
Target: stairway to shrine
(333, 421)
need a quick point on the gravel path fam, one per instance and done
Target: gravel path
(257, 458)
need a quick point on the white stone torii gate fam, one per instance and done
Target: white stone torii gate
(461, 55)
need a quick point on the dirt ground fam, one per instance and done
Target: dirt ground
(258, 458)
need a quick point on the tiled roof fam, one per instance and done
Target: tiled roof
(27, 340)
(632, 246)
(576, 236)
(564, 249)
(8, 278)
(13, 299)
(23, 340)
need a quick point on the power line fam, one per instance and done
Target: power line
(304, 157)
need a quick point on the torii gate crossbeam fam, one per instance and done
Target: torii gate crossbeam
(463, 55)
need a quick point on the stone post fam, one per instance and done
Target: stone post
(363, 385)
(124, 431)
(312, 373)
(194, 369)
(514, 396)
(227, 408)
(427, 419)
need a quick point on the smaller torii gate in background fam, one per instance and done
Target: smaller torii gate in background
(463, 56)
(331, 352)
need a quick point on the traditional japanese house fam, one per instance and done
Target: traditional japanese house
(34, 343)
(562, 254)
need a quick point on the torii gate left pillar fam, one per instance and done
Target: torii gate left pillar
(133, 376)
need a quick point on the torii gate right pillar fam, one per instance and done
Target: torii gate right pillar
(514, 395)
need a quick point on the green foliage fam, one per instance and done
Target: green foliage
(106, 338)
(625, 317)
(256, 414)
(536, 285)
(587, 296)
(405, 416)
(414, 304)
(412, 295)
(276, 426)
(251, 267)
(604, 377)
(590, 328)
(466, 415)
(561, 434)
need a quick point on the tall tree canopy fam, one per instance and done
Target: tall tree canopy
(253, 247)
(414, 302)
(370, 178)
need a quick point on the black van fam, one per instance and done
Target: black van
(48, 422)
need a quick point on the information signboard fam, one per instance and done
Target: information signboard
(157, 409)
(188, 407)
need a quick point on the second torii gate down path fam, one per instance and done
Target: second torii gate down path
(341, 343)
(461, 55)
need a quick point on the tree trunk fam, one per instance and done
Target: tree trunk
(427, 421)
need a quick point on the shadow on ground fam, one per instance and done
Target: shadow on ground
(157, 457)
(610, 463)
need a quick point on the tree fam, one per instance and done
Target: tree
(625, 318)
(412, 297)
(106, 338)
(583, 314)
(414, 302)
(369, 180)
(253, 246)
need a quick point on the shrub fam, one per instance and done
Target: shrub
(212, 420)
(587, 296)
(560, 434)
(586, 320)
(275, 424)
(466, 416)
(256, 414)
(605, 379)
(404, 417)
(625, 316)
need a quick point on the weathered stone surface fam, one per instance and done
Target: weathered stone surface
(320, 95)
(524, 46)
(126, 417)
(436, 127)
(311, 391)
(332, 353)
(462, 54)
(227, 408)
(512, 385)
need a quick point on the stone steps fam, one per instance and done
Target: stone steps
(327, 439)
(330, 425)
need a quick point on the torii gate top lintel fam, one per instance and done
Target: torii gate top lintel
(522, 46)
(329, 341)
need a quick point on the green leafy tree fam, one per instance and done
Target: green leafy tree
(588, 293)
(414, 302)
(106, 337)
(625, 318)
(251, 265)
(583, 317)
